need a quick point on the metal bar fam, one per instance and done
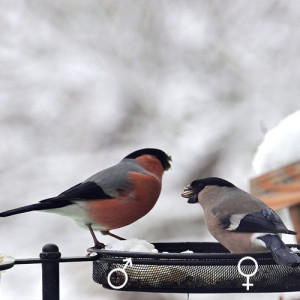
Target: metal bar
(26, 261)
(50, 272)
(184, 256)
(187, 262)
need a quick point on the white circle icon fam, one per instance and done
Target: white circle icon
(117, 286)
(247, 284)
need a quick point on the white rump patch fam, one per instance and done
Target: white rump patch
(259, 242)
(77, 213)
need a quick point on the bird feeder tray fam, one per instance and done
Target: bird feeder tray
(6, 262)
(210, 269)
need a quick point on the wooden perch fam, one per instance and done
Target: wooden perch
(280, 189)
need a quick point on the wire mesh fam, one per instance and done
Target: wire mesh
(210, 269)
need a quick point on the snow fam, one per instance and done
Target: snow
(188, 251)
(281, 145)
(134, 245)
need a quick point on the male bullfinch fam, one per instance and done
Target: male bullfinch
(112, 198)
(240, 222)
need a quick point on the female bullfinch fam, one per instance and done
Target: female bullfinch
(112, 198)
(240, 222)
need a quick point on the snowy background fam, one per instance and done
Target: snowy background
(84, 83)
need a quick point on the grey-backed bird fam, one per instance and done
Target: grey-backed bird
(112, 198)
(239, 221)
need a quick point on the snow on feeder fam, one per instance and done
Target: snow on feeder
(192, 268)
(277, 163)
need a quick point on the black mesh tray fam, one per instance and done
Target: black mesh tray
(210, 269)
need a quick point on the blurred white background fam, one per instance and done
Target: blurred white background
(84, 83)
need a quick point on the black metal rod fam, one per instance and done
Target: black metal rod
(50, 272)
(29, 261)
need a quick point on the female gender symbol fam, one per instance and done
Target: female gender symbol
(247, 284)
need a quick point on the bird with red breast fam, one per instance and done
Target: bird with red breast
(112, 198)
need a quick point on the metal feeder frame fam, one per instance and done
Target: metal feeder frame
(210, 269)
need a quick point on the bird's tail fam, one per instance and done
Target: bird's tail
(21, 210)
(281, 253)
(46, 204)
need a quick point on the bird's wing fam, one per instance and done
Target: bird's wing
(105, 184)
(87, 190)
(83, 191)
(265, 220)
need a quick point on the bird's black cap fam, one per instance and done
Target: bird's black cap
(164, 158)
(211, 181)
(194, 188)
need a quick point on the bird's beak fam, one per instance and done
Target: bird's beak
(189, 193)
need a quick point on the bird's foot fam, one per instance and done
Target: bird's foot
(99, 245)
